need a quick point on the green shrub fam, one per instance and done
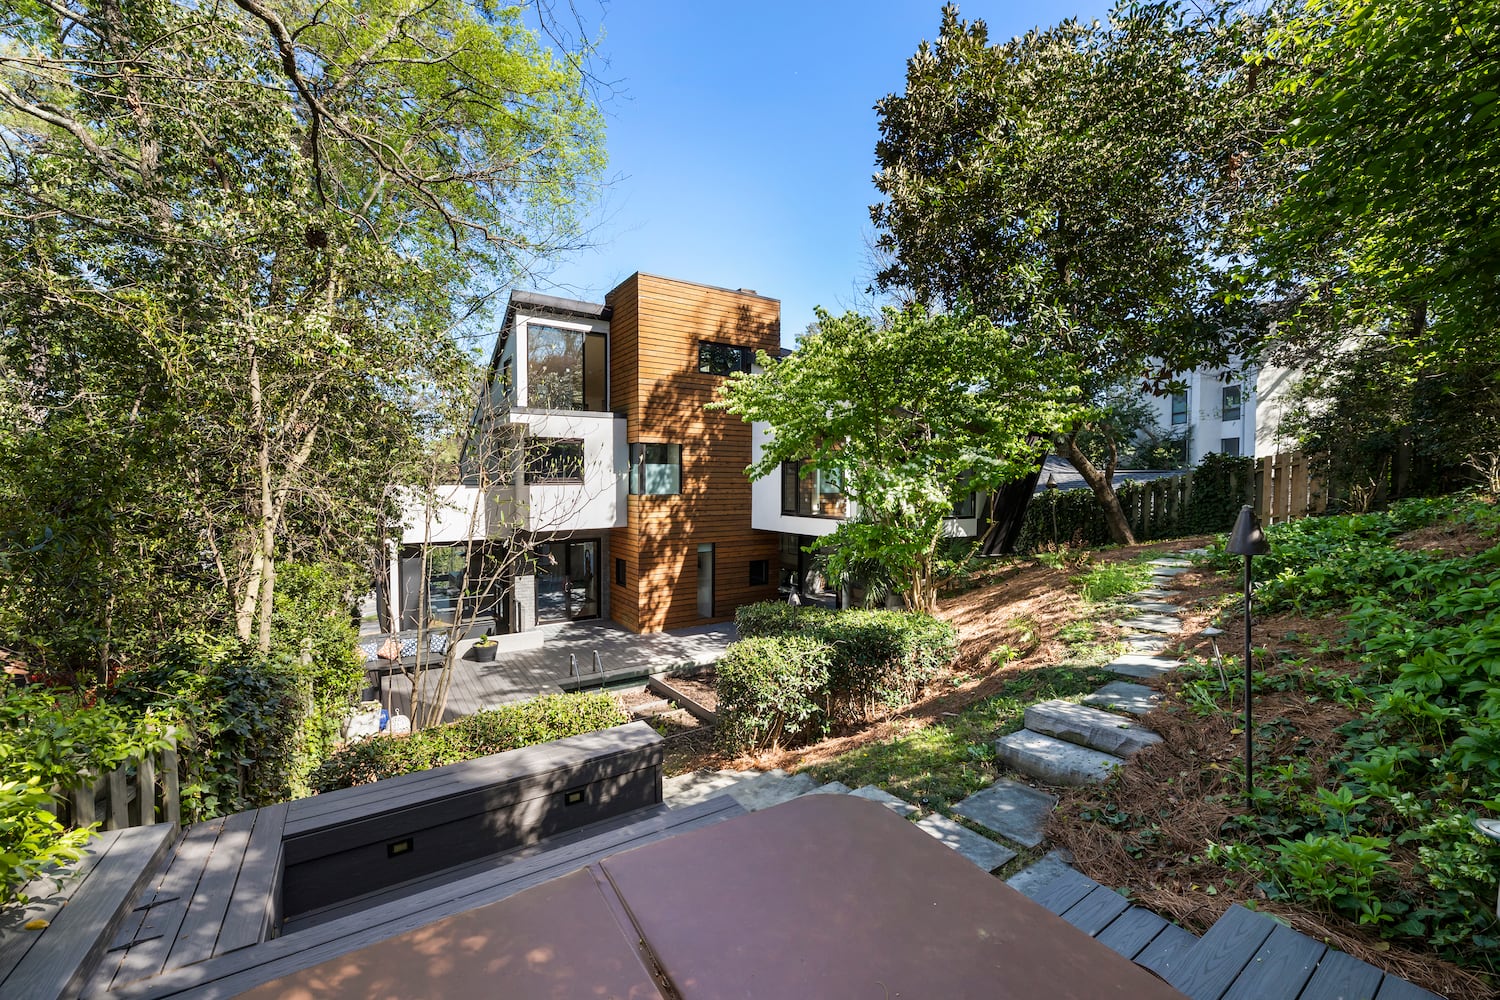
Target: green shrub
(495, 731)
(874, 657)
(32, 841)
(772, 691)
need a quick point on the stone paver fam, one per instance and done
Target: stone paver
(886, 799)
(1013, 810)
(1137, 699)
(983, 851)
(1155, 592)
(1165, 624)
(698, 786)
(770, 788)
(1147, 644)
(1156, 607)
(832, 788)
(1169, 569)
(1171, 563)
(1055, 761)
(1089, 727)
(1034, 876)
(1137, 665)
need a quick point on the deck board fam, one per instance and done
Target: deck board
(164, 918)
(46, 896)
(1096, 911)
(1396, 988)
(1132, 931)
(61, 958)
(210, 900)
(1213, 964)
(1064, 891)
(249, 908)
(1280, 969)
(1342, 977)
(1166, 950)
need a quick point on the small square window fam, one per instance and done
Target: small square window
(1179, 408)
(620, 572)
(760, 572)
(1229, 409)
(721, 359)
(1229, 446)
(655, 469)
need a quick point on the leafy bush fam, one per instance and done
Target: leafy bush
(773, 689)
(32, 841)
(1390, 844)
(506, 728)
(874, 657)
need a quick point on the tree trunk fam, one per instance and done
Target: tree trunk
(1103, 487)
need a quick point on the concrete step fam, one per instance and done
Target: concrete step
(886, 799)
(1155, 593)
(1122, 696)
(700, 786)
(770, 788)
(1055, 761)
(1015, 811)
(1089, 727)
(1165, 624)
(1154, 607)
(831, 788)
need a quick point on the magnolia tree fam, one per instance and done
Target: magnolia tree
(908, 411)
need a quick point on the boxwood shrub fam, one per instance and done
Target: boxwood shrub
(874, 658)
(772, 690)
(506, 728)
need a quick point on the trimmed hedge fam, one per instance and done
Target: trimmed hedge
(772, 688)
(495, 731)
(871, 658)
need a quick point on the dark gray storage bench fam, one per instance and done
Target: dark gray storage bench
(344, 844)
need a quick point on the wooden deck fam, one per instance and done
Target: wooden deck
(1244, 956)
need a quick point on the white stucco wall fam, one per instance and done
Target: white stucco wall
(765, 497)
(457, 515)
(597, 503)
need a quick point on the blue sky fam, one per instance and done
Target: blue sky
(741, 139)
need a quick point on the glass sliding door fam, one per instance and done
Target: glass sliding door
(567, 581)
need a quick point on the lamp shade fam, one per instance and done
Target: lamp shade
(1247, 539)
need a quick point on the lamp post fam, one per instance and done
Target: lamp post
(1249, 541)
(1491, 829)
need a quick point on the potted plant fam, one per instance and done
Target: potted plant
(483, 651)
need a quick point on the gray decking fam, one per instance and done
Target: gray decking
(1244, 956)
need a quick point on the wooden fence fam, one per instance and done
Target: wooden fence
(137, 793)
(1286, 488)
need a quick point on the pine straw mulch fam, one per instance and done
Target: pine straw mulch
(1184, 791)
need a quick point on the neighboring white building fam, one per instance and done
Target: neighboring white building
(1230, 411)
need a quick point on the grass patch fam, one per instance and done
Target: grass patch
(947, 761)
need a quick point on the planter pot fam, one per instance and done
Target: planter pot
(483, 654)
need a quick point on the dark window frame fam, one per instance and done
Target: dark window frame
(712, 362)
(541, 467)
(760, 572)
(1179, 408)
(791, 476)
(1224, 448)
(1231, 410)
(619, 572)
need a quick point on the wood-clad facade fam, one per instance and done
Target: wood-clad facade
(656, 329)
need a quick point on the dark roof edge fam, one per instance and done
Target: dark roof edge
(556, 304)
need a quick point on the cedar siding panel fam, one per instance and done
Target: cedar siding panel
(655, 331)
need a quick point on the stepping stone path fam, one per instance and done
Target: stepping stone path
(1064, 743)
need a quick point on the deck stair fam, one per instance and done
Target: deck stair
(1245, 955)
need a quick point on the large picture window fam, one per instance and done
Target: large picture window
(721, 359)
(554, 460)
(811, 493)
(655, 469)
(565, 369)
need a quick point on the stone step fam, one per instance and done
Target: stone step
(886, 799)
(1015, 811)
(981, 850)
(1168, 562)
(1146, 644)
(1140, 665)
(1155, 592)
(832, 788)
(1088, 727)
(1123, 696)
(1155, 607)
(1053, 760)
(1165, 624)
(1193, 552)
(1161, 568)
(770, 788)
(700, 786)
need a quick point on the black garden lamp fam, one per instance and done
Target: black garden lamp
(1249, 541)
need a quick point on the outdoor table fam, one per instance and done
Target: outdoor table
(826, 896)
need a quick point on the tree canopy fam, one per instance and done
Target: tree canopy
(1077, 184)
(908, 412)
(240, 245)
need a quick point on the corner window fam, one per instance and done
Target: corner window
(760, 572)
(554, 460)
(565, 369)
(721, 359)
(1179, 408)
(1230, 407)
(655, 469)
